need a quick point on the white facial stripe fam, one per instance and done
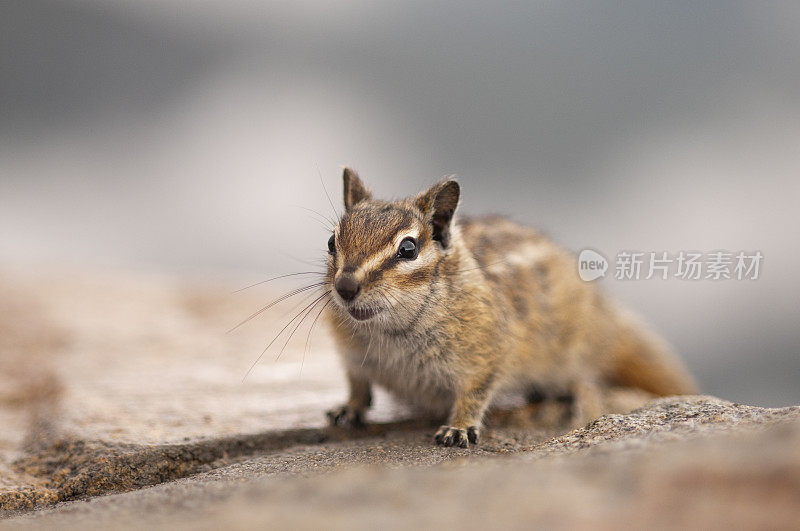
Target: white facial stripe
(414, 233)
(374, 261)
(425, 258)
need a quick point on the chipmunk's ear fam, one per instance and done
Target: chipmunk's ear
(438, 203)
(354, 189)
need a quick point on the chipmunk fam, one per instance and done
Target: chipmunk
(447, 312)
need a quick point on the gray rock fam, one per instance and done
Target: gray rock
(682, 461)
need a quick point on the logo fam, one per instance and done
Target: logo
(591, 265)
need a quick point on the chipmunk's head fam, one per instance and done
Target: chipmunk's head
(384, 256)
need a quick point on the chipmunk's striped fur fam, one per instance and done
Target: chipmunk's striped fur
(476, 307)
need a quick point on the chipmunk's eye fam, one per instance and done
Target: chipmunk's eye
(332, 244)
(408, 249)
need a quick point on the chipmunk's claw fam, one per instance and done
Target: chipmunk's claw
(450, 436)
(346, 416)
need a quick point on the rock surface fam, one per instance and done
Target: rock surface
(678, 462)
(124, 406)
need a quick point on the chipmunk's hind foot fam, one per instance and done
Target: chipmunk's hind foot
(587, 403)
(347, 416)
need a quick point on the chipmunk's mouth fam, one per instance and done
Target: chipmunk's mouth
(362, 314)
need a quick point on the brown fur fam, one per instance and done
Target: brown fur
(488, 306)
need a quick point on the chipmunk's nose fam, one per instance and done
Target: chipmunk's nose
(347, 286)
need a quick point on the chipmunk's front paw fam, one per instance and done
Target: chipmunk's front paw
(346, 415)
(450, 436)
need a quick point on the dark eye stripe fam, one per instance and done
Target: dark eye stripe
(420, 276)
(393, 260)
(415, 277)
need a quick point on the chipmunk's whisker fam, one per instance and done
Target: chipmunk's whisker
(322, 181)
(306, 312)
(324, 221)
(310, 330)
(282, 330)
(280, 299)
(279, 277)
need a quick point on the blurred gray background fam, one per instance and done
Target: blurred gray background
(184, 138)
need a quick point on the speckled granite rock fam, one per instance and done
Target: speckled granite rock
(667, 419)
(678, 462)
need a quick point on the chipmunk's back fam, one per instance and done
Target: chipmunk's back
(551, 310)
